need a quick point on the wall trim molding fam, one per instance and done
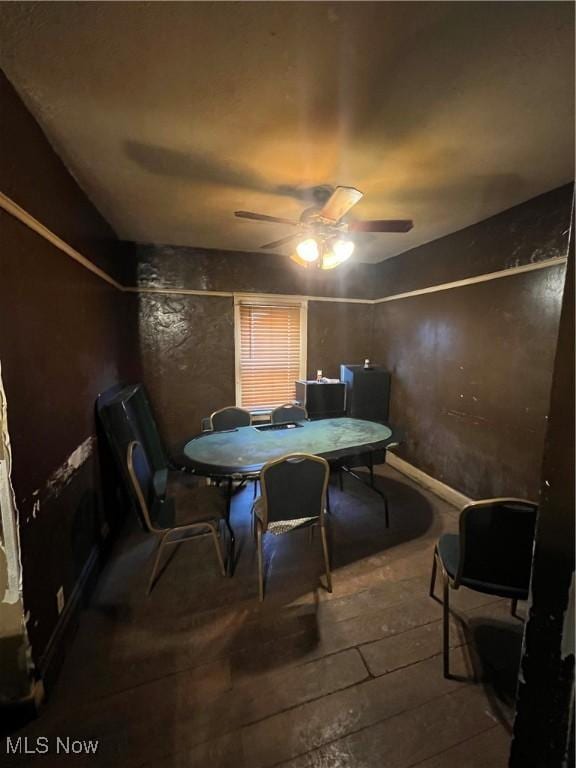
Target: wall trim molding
(244, 294)
(19, 213)
(252, 295)
(178, 291)
(28, 220)
(508, 272)
(446, 492)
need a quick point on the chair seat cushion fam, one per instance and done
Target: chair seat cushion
(278, 527)
(449, 551)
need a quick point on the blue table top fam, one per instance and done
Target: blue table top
(247, 449)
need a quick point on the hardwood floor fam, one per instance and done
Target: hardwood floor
(201, 674)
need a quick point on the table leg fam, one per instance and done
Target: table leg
(372, 486)
(371, 468)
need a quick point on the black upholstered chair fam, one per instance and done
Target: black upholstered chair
(192, 512)
(288, 412)
(492, 553)
(293, 496)
(125, 414)
(231, 417)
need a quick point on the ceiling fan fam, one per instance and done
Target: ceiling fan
(322, 229)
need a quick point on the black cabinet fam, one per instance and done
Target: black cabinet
(322, 400)
(367, 392)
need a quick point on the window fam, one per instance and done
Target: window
(270, 350)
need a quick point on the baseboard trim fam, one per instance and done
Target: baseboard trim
(446, 492)
(50, 661)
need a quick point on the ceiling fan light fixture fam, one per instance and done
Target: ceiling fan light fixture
(297, 260)
(327, 222)
(342, 249)
(308, 250)
(338, 252)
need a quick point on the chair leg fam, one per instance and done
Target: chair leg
(255, 488)
(434, 569)
(260, 563)
(341, 479)
(386, 513)
(231, 546)
(326, 557)
(156, 563)
(446, 625)
(216, 540)
(514, 608)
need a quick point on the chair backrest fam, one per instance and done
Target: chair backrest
(288, 412)
(230, 418)
(294, 486)
(141, 483)
(496, 542)
(128, 415)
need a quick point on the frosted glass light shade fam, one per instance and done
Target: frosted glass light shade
(308, 250)
(343, 249)
(340, 251)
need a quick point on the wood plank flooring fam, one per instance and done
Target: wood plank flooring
(202, 674)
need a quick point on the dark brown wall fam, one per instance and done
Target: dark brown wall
(28, 170)
(187, 349)
(337, 333)
(472, 366)
(65, 335)
(187, 353)
(164, 266)
(528, 233)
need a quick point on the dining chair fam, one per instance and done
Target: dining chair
(205, 424)
(230, 417)
(193, 512)
(293, 496)
(288, 412)
(492, 553)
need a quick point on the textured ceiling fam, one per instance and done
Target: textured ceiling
(173, 115)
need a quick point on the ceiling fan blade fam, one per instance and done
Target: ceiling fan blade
(264, 217)
(278, 243)
(339, 203)
(381, 225)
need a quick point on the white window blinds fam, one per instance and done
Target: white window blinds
(270, 356)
